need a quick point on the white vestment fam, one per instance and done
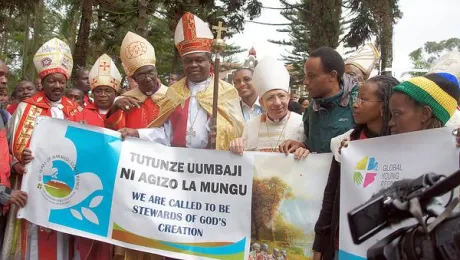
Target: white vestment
(263, 134)
(197, 122)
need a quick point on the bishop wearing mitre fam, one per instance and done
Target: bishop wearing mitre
(54, 63)
(104, 79)
(137, 108)
(185, 112)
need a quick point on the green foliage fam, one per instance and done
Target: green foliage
(316, 23)
(424, 57)
(110, 21)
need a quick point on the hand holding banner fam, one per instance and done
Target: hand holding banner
(171, 201)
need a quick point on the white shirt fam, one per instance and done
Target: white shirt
(197, 123)
(249, 112)
(56, 109)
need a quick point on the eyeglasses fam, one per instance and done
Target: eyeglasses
(360, 101)
(143, 76)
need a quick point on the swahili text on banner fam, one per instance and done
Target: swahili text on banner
(373, 164)
(175, 202)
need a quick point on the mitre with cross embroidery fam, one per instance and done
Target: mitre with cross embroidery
(104, 73)
(192, 35)
(136, 52)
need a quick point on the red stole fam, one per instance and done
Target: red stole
(39, 105)
(179, 120)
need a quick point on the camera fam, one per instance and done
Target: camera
(435, 236)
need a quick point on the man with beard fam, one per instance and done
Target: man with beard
(138, 107)
(54, 63)
(105, 82)
(184, 118)
(249, 99)
(24, 90)
(82, 83)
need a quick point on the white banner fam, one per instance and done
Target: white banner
(181, 203)
(372, 164)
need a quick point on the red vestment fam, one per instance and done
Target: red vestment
(86, 100)
(92, 116)
(137, 117)
(21, 126)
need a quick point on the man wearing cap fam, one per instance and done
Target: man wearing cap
(362, 62)
(138, 107)
(185, 112)
(104, 82)
(277, 124)
(54, 63)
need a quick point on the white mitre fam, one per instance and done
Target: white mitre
(270, 74)
(449, 63)
(365, 58)
(104, 73)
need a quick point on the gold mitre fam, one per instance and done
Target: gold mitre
(136, 52)
(53, 57)
(365, 58)
(104, 73)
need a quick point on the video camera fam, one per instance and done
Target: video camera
(415, 198)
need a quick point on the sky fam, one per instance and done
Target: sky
(423, 20)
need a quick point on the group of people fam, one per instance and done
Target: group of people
(253, 115)
(259, 252)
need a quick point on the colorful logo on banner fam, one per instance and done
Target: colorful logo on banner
(365, 171)
(80, 191)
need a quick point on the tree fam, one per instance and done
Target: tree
(81, 51)
(373, 18)
(267, 195)
(316, 23)
(94, 27)
(424, 57)
(313, 24)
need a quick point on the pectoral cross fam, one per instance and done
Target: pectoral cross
(191, 132)
(219, 29)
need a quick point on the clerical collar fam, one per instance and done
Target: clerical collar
(191, 83)
(55, 103)
(195, 87)
(103, 111)
(282, 120)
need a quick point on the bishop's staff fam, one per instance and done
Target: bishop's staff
(218, 47)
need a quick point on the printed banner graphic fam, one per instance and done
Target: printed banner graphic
(176, 202)
(373, 164)
(286, 201)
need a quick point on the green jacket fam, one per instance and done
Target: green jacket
(330, 117)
